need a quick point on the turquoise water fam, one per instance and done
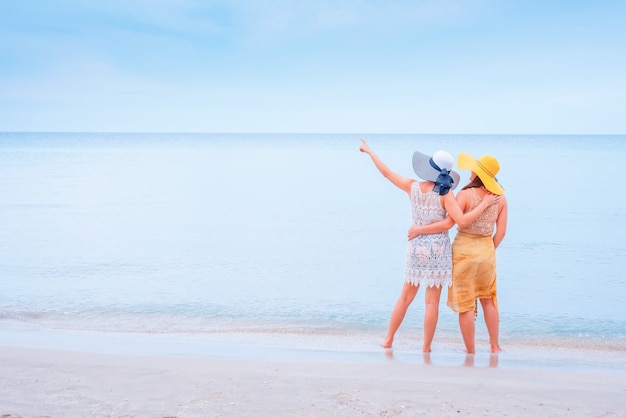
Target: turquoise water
(292, 241)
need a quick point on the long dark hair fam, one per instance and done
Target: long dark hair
(477, 182)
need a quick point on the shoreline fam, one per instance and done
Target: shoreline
(57, 383)
(314, 347)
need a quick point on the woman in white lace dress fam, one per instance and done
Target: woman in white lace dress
(429, 257)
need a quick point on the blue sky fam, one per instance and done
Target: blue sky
(340, 66)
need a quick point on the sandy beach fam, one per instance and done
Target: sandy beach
(56, 383)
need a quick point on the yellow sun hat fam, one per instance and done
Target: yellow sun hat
(486, 168)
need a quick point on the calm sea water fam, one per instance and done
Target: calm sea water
(292, 241)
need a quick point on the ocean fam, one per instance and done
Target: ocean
(293, 246)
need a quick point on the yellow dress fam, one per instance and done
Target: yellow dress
(474, 260)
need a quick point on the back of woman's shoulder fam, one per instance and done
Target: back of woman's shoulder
(426, 186)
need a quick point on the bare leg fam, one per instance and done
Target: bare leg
(399, 310)
(492, 320)
(431, 315)
(468, 326)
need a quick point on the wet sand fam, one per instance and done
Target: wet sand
(61, 383)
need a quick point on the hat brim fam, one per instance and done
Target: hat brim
(423, 169)
(467, 162)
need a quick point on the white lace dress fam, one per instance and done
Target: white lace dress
(429, 257)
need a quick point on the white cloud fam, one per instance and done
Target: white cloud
(313, 16)
(300, 66)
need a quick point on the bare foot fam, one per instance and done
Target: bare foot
(493, 360)
(387, 344)
(496, 350)
(469, 360)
